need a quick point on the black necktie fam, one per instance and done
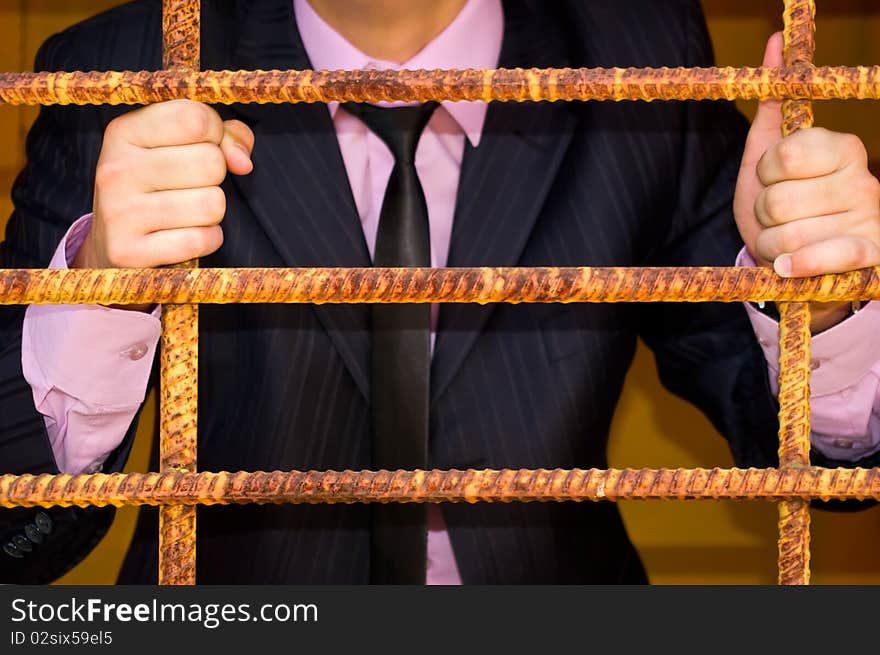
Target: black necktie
(401, 348)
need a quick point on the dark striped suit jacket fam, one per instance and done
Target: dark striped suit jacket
(287, 387)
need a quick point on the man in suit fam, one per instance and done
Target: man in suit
(292, 387)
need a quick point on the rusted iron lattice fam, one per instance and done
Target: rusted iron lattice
(178, 488)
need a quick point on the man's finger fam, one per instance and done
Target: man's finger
(796, 200)
(173, 123)
(791, 237)
(838, 255)
(169, 210)
(175, 246)
(183, 167)
(810, 153)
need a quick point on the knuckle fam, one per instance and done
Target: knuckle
(190, 245)
(214, 163)
(854, 147)
(766, 246)
(119, 255)
(776, 203)
(204, 241)
(791, 238)
(110, 172)
(216, 238)
(864, 253)
(115, 129)
(195, 121)
(118, 210)
(868, 186)
(872, 230)
(761, 209)
(215, 204)
(789, 154)
(850, 254)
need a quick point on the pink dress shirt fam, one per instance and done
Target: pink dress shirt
(88, 366)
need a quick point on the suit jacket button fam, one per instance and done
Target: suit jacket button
(33, 533)
(12, 551)
(23, 543)
(43, 523)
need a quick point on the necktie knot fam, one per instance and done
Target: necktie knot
(400, 128)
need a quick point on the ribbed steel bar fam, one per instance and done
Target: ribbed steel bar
(382, 285)
(506, 85)
(179, 362)
(794, 332)
(181, 32)
(558, 485)
(794, 439)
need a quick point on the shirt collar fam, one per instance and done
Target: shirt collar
(472, 40)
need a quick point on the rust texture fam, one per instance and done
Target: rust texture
(178, 406)
(181, 488)
(506, 85)
(179, 362)
(794, 385)
(181, 29)
(794, 332)
(794, 439)
(382, 285)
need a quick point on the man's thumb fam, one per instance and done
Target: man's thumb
(767, 126)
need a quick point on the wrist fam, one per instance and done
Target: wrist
(86, 257)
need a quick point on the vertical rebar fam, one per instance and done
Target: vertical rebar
(178, 413)
(794, 333)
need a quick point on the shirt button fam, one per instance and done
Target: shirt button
(846, 444)
(815, 364)
(136, 353)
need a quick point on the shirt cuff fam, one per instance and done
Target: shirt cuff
(840, 356)
(844, 362)
(93, 353)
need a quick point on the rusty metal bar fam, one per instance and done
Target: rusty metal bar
(178, 487)
(181, 35)
(794, 332)
(179, 362)
(505, 85)
(384, 285)
(181, 488)
(794, 439)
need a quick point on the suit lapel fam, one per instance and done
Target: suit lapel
(299, 191)
(504, 184)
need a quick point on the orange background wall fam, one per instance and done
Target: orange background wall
(696, 542)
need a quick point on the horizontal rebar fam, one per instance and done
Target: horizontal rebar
(183, 488)
(511, 85)
(382, 285)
